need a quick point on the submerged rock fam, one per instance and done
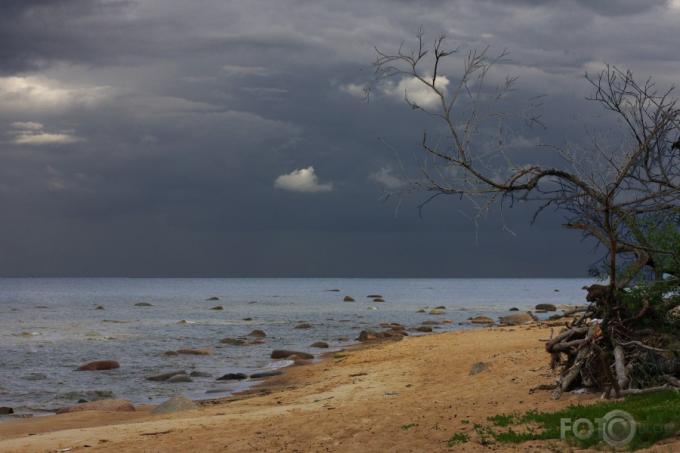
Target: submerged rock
(217, 307)
(102, 405)
(178, 378)
(213, 298)
(514, 309)
(264, 374)
(546, 307)
(194, 351)
(89, 395)
(437, 311)
(257, 333)
(233, 341)
(481, 320)
(99, 365)
(374, 296)
(175, 404)
(143, 304)
(200, 374)
(378, 299)
(348, 299)
(232, 377)
(165, 376)
(304, 325)
(424, 329)
(284, 354)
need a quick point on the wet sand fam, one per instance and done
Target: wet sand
(404, 396)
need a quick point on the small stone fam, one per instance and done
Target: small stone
(478, 368)
(175, 404)
(319, 344)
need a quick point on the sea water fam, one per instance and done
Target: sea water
(50, 326)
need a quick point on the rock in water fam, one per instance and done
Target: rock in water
(194, 351)
(257, 333)
(143, 304)
(233, 341)
(165, 376)
(437, 311)
(102, 405)
(348, 299)
(6, 410)
(514, 309)
(481, 320)
(546, 307)
(232, 377)
(319, 344)
(284, 354)
(264, 374)
(217, 307)
(178, 378)
(517, 319)
(478, 368)
(424, 329)
(175, 404)
(304, 325)
(213, 298)
(99, 365)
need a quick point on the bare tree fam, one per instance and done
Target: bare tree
(611, 193)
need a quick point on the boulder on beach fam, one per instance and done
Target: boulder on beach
(194, 351)
(232, 377)
(174, 404)
(546, 307)
(165, 376)
(319, 344)
(517, 319)
(481, 320)
(304, 325)
(101, 405)
(348, 299)
(257, 333)
(371, 335)
(284, 354)
(264, 374)
(99, 365)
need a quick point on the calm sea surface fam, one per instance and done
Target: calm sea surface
(48, 327)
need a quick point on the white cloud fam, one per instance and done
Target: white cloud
(358, 91)
(416, 91)
(389, 181)
(44, 138)
(32, 133)
(303, 180)
(27, 125)
(34, 93)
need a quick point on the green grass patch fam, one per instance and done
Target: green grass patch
(408, 426)
(656, 417)
(458, 438)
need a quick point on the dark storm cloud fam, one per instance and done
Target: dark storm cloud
(144, 137)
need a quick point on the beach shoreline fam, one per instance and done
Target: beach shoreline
(361, 398)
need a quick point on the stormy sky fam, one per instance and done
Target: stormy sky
(230, 138)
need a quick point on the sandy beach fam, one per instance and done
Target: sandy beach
(410, 395)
